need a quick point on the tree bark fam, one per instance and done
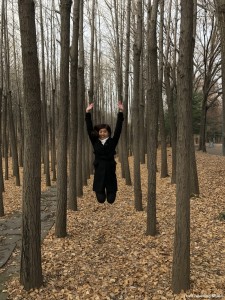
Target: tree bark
(181, 253)
(61, 210)
(72, 199)
(164, 166)
(44, 105)
(124, 138)
(80, 105)
(31, 271)
(12, 135)
(135, 117)
(152, 116)
(1, 97)
(221, 22)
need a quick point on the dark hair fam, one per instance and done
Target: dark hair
(101, 126)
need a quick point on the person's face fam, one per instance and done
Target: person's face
(103, 133)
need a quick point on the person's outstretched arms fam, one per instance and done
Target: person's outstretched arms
(120, 106)
(119, 123)
(89, 122)
(89, 108)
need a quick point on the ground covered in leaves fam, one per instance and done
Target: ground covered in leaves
(107, 254)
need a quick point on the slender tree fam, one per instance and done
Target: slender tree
(125, 101)
(80, 107)
(137, 47)
(208, 70)
(91, 73)
(31, 271)
(171, 82)
(1, 95)
(194, 184)
(18, 93)
(181, 253)
(164, 167)
(54, 95)
(9, 116)
(61, 215)
(72, 196)
(152, 116)
(221, 22)
(44, 104)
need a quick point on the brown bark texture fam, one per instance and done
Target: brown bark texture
(31, 271)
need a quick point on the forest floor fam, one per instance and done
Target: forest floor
(107, 255)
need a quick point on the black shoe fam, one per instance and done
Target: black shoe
(101, 197)
(111, 197)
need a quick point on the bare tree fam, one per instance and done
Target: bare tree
(221, 23)
(80, 107)
(31, 271)
(171, 82)
(125, 101)
(44, 104)
(91, 88)
(164, 167)
(8, 107)
(137, 47)
(54, 95)
(1, 94)
(152, 116)
(61, 215)
(72, 200)
(194, 183)
(181, 253)
(208, 67)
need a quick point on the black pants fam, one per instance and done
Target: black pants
(101, 197)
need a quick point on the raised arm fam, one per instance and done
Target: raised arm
(119, 123)
(89, 124)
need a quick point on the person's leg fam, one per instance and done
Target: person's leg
(111, 197)
(101, 196)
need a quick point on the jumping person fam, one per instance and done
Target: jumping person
(105, 181)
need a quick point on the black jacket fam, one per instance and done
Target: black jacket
(104, 163)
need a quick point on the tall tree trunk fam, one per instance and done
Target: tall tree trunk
(53, 141)
(1, 174)
(142, 105)
(31, 271)
(135, 117)
(80, 103)
(10, 120)
(44, 105)
(172, 120)
(194, 184)
(170, 84)
(61, 215)
(181, 253)
(152, 116)
(53, 98)
(124, 139)
(202, 141)
(91, 88)
(18, 96)
(72, 196)
(221, 22)
(5, 137)
(1, 95)
(12, 135)
(164, 167)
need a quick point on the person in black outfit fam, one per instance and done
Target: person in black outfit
(105, 181)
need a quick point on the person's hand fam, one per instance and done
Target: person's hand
(90, 106)
(120, 106)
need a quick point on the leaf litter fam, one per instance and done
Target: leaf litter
(107, 255)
